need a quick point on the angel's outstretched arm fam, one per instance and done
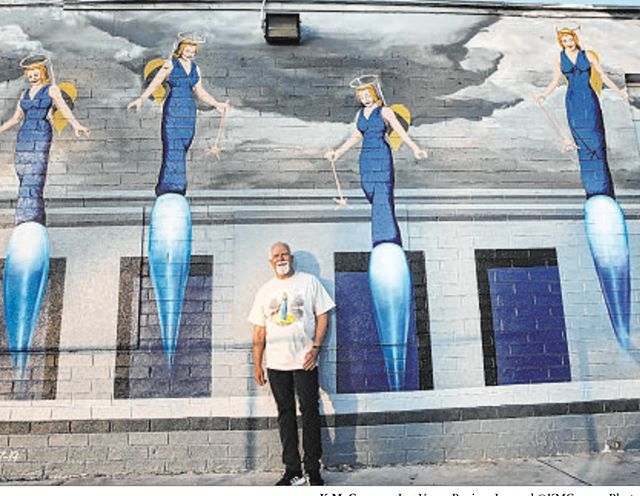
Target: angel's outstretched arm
(390, 116)
(16, 118)
(333, 155)
(204, 96)
(555, 82)
(58, 100)
(605, 78)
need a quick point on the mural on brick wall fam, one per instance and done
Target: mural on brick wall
(39, 377)
(360, 355)
(463, 279)
(466, 83)
(141, 361)
(389, 276)
(170, 230)
(605, 224)
(27, 264)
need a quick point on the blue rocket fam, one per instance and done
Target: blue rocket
(24, 282)
(391, 291)
(169, 262)
(608, 238)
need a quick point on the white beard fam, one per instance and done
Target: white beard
(283, 268)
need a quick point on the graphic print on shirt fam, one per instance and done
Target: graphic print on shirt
(286, 310)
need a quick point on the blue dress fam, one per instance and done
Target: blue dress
(585, 121)
(376, 177)
(32, 155)
(178, 129)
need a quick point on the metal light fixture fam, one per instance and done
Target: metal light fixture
(280, 28)
(632, 79)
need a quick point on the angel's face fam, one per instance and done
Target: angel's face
(189, 51)
(365, 97)
(568, 42)
(34, 76)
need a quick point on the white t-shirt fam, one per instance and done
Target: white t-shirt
(287, 309)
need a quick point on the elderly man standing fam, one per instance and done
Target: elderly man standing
(289, 317)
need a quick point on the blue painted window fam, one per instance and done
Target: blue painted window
(524, 335)
(360, 364)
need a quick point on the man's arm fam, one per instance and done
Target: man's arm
(311, 358)
(259, 341)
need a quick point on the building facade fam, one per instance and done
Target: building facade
(512, 348)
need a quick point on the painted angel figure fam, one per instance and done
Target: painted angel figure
(184, 80)
(605, 224)
(170, 226)
(27, 262)
(379, 128)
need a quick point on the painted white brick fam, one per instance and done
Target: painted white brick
(30, 413)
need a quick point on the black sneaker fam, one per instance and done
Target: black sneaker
(314, 478)
(292, 480)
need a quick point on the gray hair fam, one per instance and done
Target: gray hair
(277, 243)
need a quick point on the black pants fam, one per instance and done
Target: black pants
(305, 384)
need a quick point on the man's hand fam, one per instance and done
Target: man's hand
(311, 359)
(258, 375)
(259, 336)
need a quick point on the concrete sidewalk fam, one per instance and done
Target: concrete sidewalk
(616, 468)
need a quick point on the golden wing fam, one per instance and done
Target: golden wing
(70, 95)
(404, 118)
(595, 80)
(150, 71)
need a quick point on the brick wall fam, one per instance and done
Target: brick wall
(33, 450)
(494, 182)
(467, 83)
(141, 364)
(522, 319)
(87, 421)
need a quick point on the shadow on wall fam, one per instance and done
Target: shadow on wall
(633, 354)
(307, 262)
(589, 427)
(338, 442)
